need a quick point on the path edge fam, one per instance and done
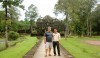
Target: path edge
(65, 52)
(32, 51)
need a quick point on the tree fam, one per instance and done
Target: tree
(14, 14)
(1, 22)
(77, 11)
(31, 14)
(43, 23)
(7, 4)
(95, 21)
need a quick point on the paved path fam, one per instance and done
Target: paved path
(40, 53)
(2, 41)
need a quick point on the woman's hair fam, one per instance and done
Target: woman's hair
(55, 28)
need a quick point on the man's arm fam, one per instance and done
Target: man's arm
(52, 35)
(44, 40)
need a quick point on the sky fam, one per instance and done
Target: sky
(98, 1)
(45, 7)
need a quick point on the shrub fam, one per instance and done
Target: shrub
(78, 30)
(13, 35)
(34, 32)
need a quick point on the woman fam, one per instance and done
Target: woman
(56, 37)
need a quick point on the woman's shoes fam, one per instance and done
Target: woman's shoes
(49, 54)
(59, 55)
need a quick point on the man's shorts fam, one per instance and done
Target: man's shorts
(48, 45)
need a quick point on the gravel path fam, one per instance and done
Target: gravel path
(40, 53)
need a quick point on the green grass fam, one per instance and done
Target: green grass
(2, 46)
(11, 43)
(79, 49)
(20, 49)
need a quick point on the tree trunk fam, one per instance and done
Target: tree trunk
(6, 34)
(25, 31)
(67, 29)
(6, 28)
(68, 25)
(31, 26)
(90, 29)
(31, 29)
(87, 27)
(65, 32)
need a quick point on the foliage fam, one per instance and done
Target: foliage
(77, 12)
(78, 29)
(9, 3)
(14, 14)
(13, 35)
(42, 24)
(95, 19)
(1, 18)
(31, 14)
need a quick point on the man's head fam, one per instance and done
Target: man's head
(49, 28)
(55, 29)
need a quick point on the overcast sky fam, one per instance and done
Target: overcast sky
(98, 1)
(45, 7)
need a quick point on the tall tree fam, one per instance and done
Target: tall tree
(14, 14)
(1, 21)
(31, 14)
(77, 10)
(95, 21)
(43, 23)
(7, 4)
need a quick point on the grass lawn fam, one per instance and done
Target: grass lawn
(11, 43)
(20, 49)
(2, 46)
(79, 49)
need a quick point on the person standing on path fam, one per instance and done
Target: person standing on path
(48, 41)
(56, 37)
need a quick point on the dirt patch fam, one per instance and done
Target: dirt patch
(93, 42)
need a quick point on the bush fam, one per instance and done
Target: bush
(13, 35)
(34, 32)
(78, 30)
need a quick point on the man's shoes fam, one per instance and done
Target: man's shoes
(45, 55)
(54, 54)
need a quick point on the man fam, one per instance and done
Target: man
(56, 37)
(48, 41)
